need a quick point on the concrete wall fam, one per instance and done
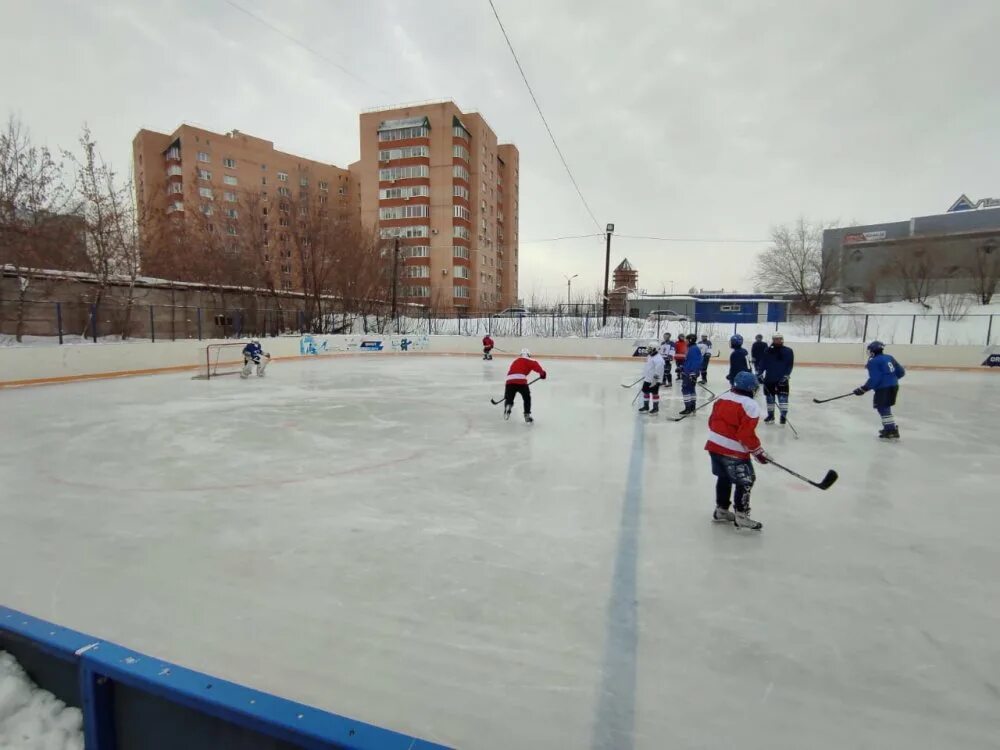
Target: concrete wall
(32, 365)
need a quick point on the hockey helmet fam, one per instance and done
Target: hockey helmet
(758, 337)
(691, 338)
(777, 336)
(875, 347)
(736, 341)
(525, 353)
(745, 381)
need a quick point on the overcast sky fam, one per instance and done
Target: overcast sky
(709, 120)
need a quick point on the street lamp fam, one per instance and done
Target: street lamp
(609, 230)
(569, 282)
(395, 279)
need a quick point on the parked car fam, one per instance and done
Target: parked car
(667, 315)
(513, 312)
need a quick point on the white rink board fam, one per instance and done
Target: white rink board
(366, 534)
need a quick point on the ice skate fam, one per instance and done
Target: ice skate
(783, 420)
(723, 515)
(644, 407)
(889, 433)
(528, 418)
(506, 413)
(654, 410)
(770, 418)
(743, 521)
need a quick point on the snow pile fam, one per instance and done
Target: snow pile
(32, 718)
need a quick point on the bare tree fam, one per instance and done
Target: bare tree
(794, 263)
(985, 270)
(916, 270)
(34, 207)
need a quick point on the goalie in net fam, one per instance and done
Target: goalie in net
(254, 355)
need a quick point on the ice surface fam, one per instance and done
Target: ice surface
(31, 718)
(369, 536)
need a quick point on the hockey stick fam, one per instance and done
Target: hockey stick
(825, 484)
(495, 402)
(792, 428)
(825, 400)
(704, 388)
(714, 397)
(631, 385)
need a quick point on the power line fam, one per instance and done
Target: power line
(557, 239)
(544, 121)
(686, 239)
(303, 45)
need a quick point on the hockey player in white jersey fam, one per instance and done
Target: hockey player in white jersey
(253, 354)
(667, 352)
(652, 376)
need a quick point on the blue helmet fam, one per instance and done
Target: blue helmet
(736, 341)
(745, 381)
(875, 347)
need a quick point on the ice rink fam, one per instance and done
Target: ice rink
(367, 535)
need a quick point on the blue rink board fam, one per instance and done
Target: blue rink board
(130, 700)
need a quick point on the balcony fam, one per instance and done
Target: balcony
(175, 208)
(172, 154)
(175, 170)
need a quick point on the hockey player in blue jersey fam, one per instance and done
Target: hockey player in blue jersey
(253, 354)
(690, 373)
(884, 373)
(757, 353)
(775, 372)
(737, 359)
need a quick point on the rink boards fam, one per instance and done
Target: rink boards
(132, 701)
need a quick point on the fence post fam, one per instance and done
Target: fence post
(59, 321)
(989, 331)
(152, 329)
(238, 328)
(696, 328)
(913, 328)
(93, 322)
(302, 321)
(657, 327)
(819, 329)
(937, 329)
(586, 324)
(520, 326)
(553, 325)
(199, 324)
(864, 334)
(623, 326)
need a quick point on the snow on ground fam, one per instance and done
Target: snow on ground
(369, 536)
(32, 718)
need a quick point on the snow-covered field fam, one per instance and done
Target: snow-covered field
(369, 536)
(31, 718)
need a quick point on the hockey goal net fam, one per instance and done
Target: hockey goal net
(222, 359)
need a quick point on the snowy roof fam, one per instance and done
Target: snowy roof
(405, 122)
(624, 266)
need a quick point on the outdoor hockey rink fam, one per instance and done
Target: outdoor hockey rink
(366, 534)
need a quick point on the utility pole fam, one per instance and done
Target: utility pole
(569, 287)
(607, 270)
(395, 279)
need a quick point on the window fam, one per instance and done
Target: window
(324, 185)
(284, 191)
(461, 272)
(206, 209)
(206, 192)
(283, 207)
(414, 251)
(729, 308)
(231, 163)
(416, 291)
(231, 230)
(404, 212)
(232, 213)
(230, 180)
(283, 176)
(400, 134)
(461, 291)
(263, 195)
(462, 232)
(460, 152)
(176, 187)
(407, 152)
(229, 196)
(286, 285)
(303, 182)
(264, 211)
(204, 174)
(286, 268)
(459, 132)
(411, 231)
(413, 191)
(418, 272)
(263, 180)
(283, 222)
(458, 251)
(460, 172)
(461, 212)
(203, 156)
(460, 191)
(173, 153)
(404, 173)
(323, 199)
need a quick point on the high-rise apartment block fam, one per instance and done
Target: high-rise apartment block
(431, 178)
(194, 176)
(437, 179)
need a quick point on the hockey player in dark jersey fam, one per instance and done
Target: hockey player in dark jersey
(690, 373)
(253, 354)
(775, 372)
(737, 358)
(884, 373)
(757, 353)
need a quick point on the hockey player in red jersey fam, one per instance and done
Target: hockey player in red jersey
(487, 347)
(732, 440)
(517, 382)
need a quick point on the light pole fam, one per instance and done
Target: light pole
(569, 283)
(609, 230)
(395, 278)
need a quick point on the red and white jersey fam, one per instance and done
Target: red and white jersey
(732, 428)
(680, 350)
(487, 341)
(521, 367)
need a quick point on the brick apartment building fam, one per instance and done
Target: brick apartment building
(230, 184)
(437, 179)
